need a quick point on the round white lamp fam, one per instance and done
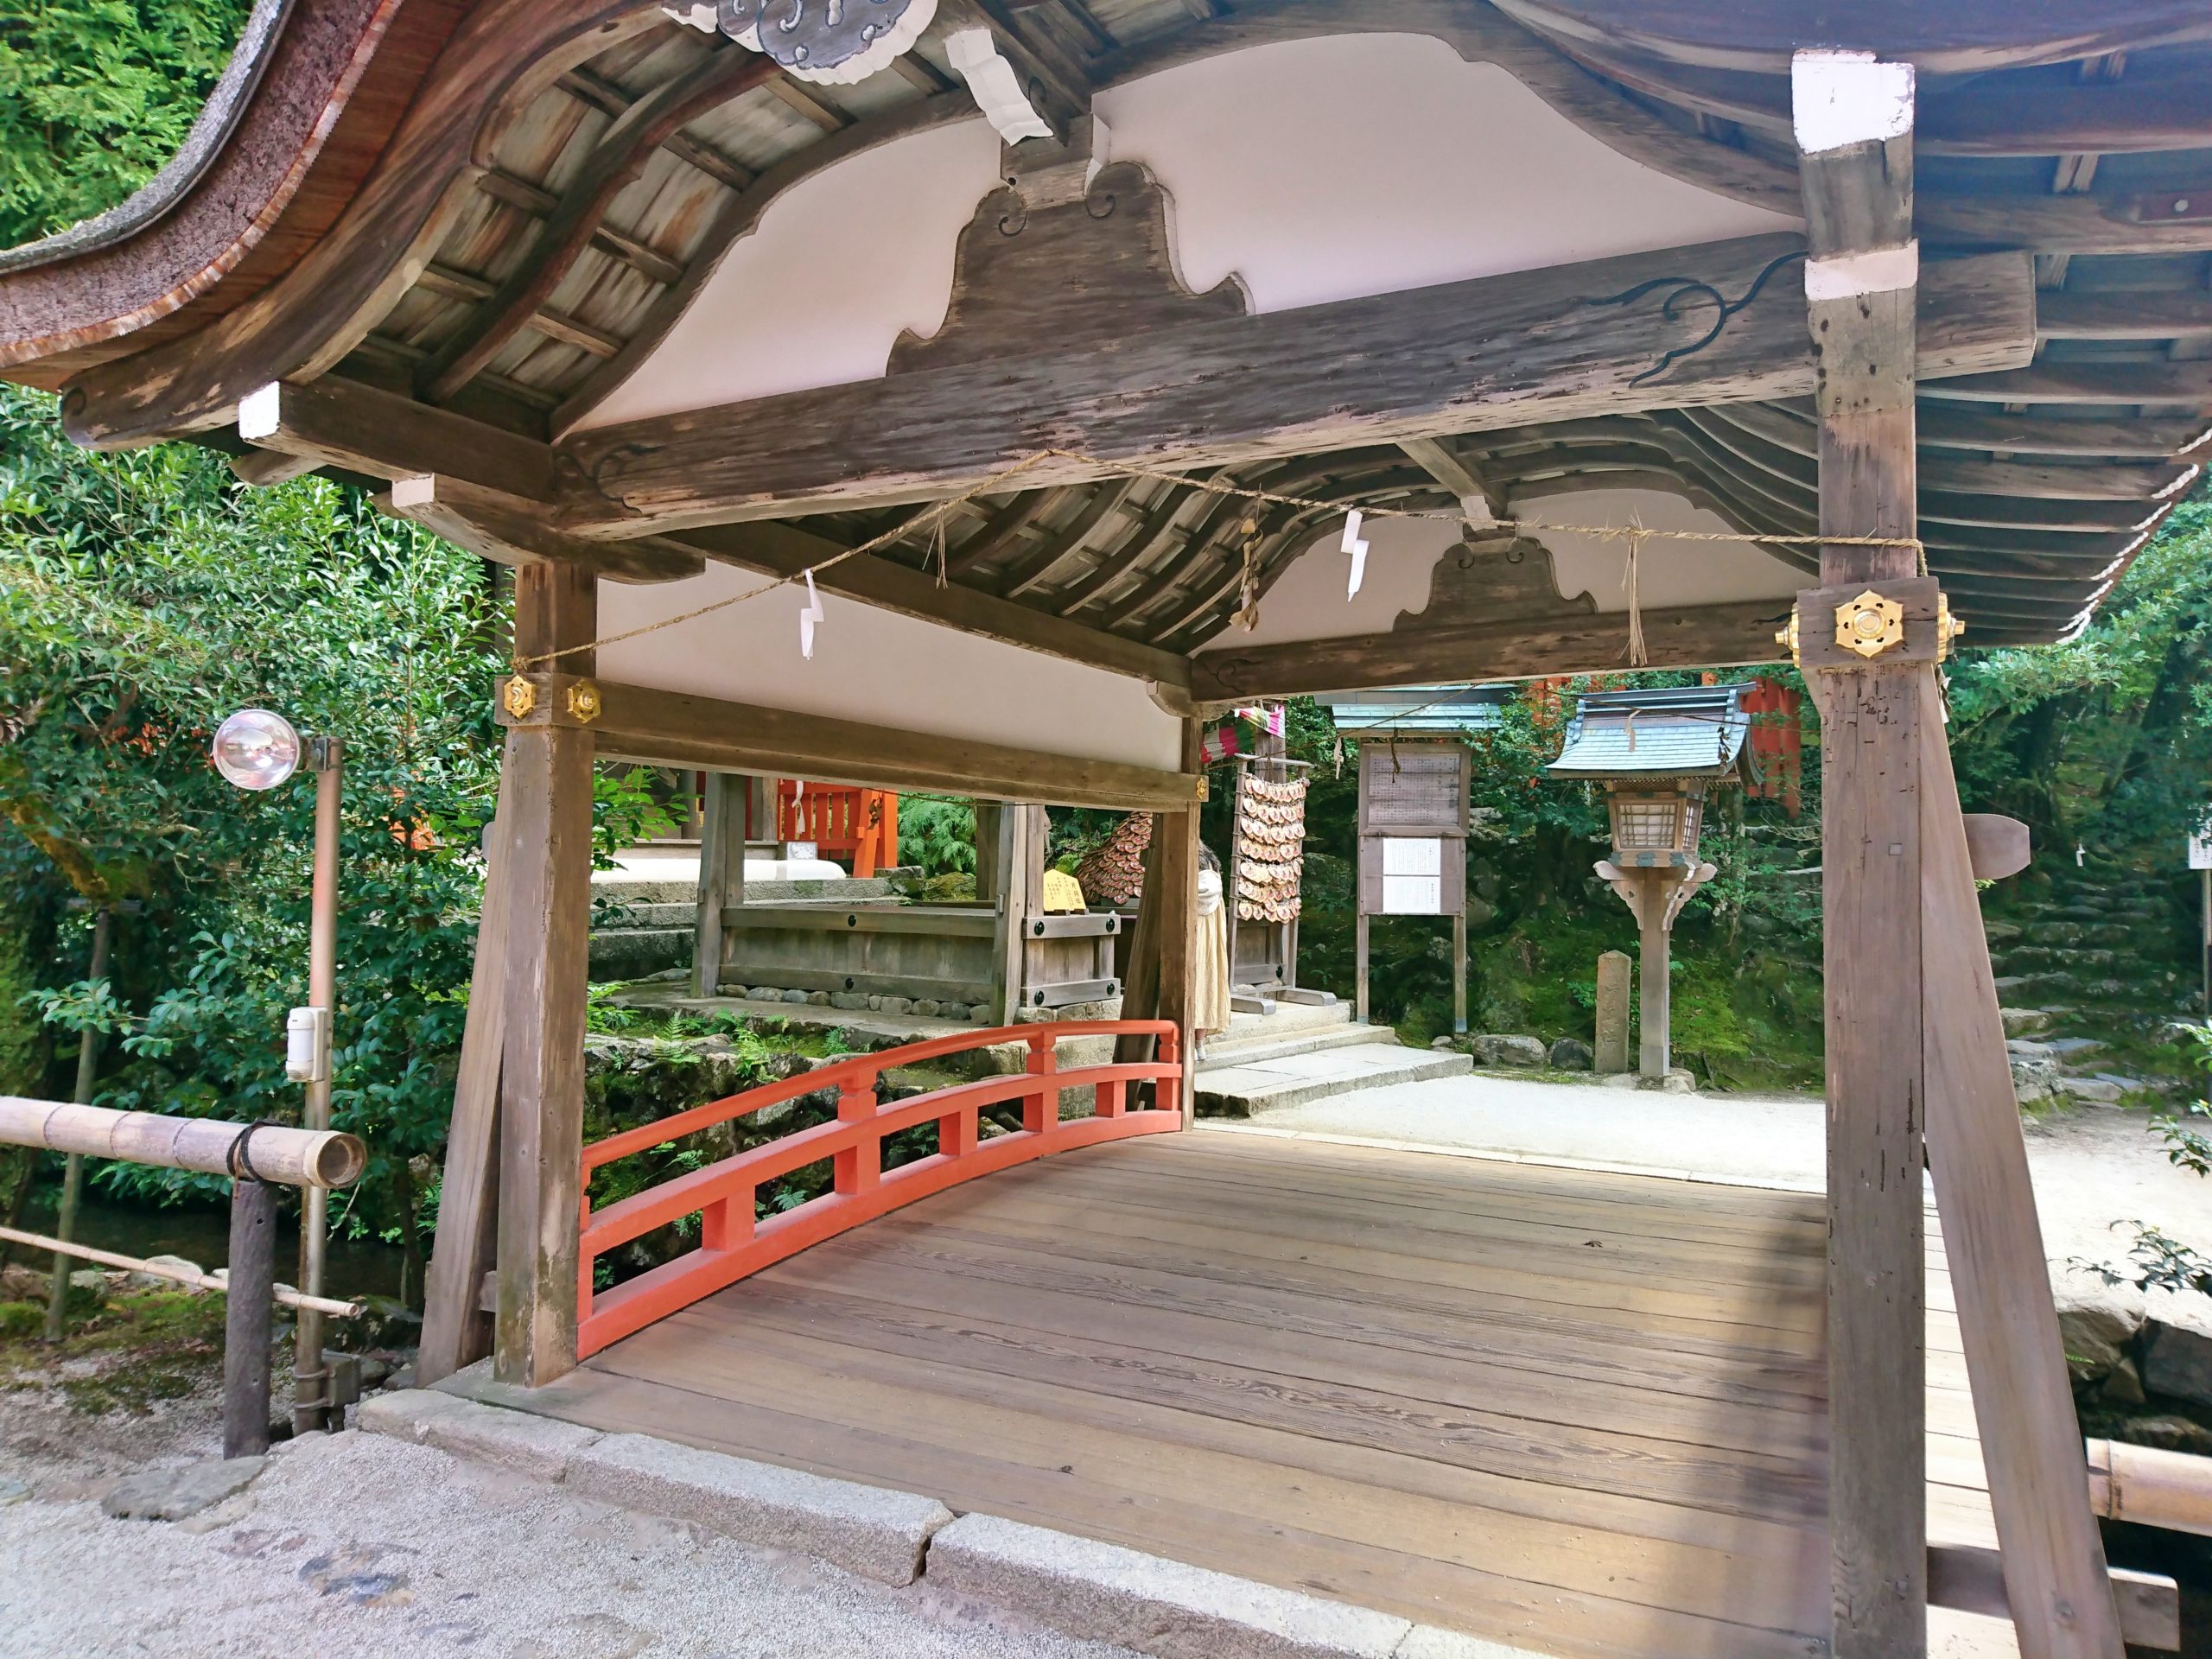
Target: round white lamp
(255, 749)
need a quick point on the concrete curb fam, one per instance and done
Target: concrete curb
(1167, 1608)
(867, 1530)
(1077, 1586)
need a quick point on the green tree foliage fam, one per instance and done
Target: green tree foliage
(144, 595)
(2106, 739)
(95, 95)
(936, 834)
(1746, 987)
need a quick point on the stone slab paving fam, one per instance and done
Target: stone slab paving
(1270, 1085)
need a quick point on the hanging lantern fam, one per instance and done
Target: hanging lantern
(1656, 824)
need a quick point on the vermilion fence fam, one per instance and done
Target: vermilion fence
(859, 824)
(733, 1244)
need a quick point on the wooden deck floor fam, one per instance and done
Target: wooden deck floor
(1579, 1412)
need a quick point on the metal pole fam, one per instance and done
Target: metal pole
(2204, 928)
(310, 1377)
(245, 1318)
(72, 1174)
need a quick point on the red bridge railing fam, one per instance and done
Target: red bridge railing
(733, 1244)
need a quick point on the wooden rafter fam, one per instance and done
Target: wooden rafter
(642, 128)
(738, 216)
(501, 53)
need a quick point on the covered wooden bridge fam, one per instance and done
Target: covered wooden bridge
(972, 397)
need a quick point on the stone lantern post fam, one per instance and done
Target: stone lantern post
(1658, 754)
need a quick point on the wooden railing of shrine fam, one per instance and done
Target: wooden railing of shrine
(860, 824)
(735, 1242)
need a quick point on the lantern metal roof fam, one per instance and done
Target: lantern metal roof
(1439, 709)
(1691, 731)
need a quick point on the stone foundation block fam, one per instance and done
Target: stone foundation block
(876, 1534)
(539, 1448)
(1108, 1593)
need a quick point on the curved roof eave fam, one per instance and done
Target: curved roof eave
(266, 127)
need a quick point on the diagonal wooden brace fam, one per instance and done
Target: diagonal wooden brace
(2055, 1573)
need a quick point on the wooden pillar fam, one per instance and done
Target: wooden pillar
(1161, 978)
(547, 774)
(1460, 972)
(1177, 837)
(1853, 119)
(455, 1330)
(721, 874)
(1014, 836)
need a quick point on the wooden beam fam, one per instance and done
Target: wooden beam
(2055, 1576)
(263, 468)
(606, 95)
(1950, 425)
(497, 528)
(783, 549)
(1854, 129)
(1712, 636)
(547, 772)
(2130, 313)
(1963, 39)
(1543, 345)
(1481, 34)
(2112, 384)
(334, 422)
(1438, 461)
(2167, 110)
(676, 729)
(455, 1332)
(2126, 480)
(520, 194)
(1971, 1580)
(1599, 107)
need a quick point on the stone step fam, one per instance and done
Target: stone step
(2067, 959)
(1282, 1018)
(1243, 1049)
(1258, 1086)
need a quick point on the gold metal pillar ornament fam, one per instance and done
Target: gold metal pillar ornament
(520, 697)
(1947, 627)
(1787, 636)
(583, 703)
(1869, 624)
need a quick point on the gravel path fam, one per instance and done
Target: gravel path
(357, 1544)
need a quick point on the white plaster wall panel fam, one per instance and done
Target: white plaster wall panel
(1308, 602)
(1325, 169)
(820, 291)
(1669, 573)
(877, 666)
(1316, 170)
